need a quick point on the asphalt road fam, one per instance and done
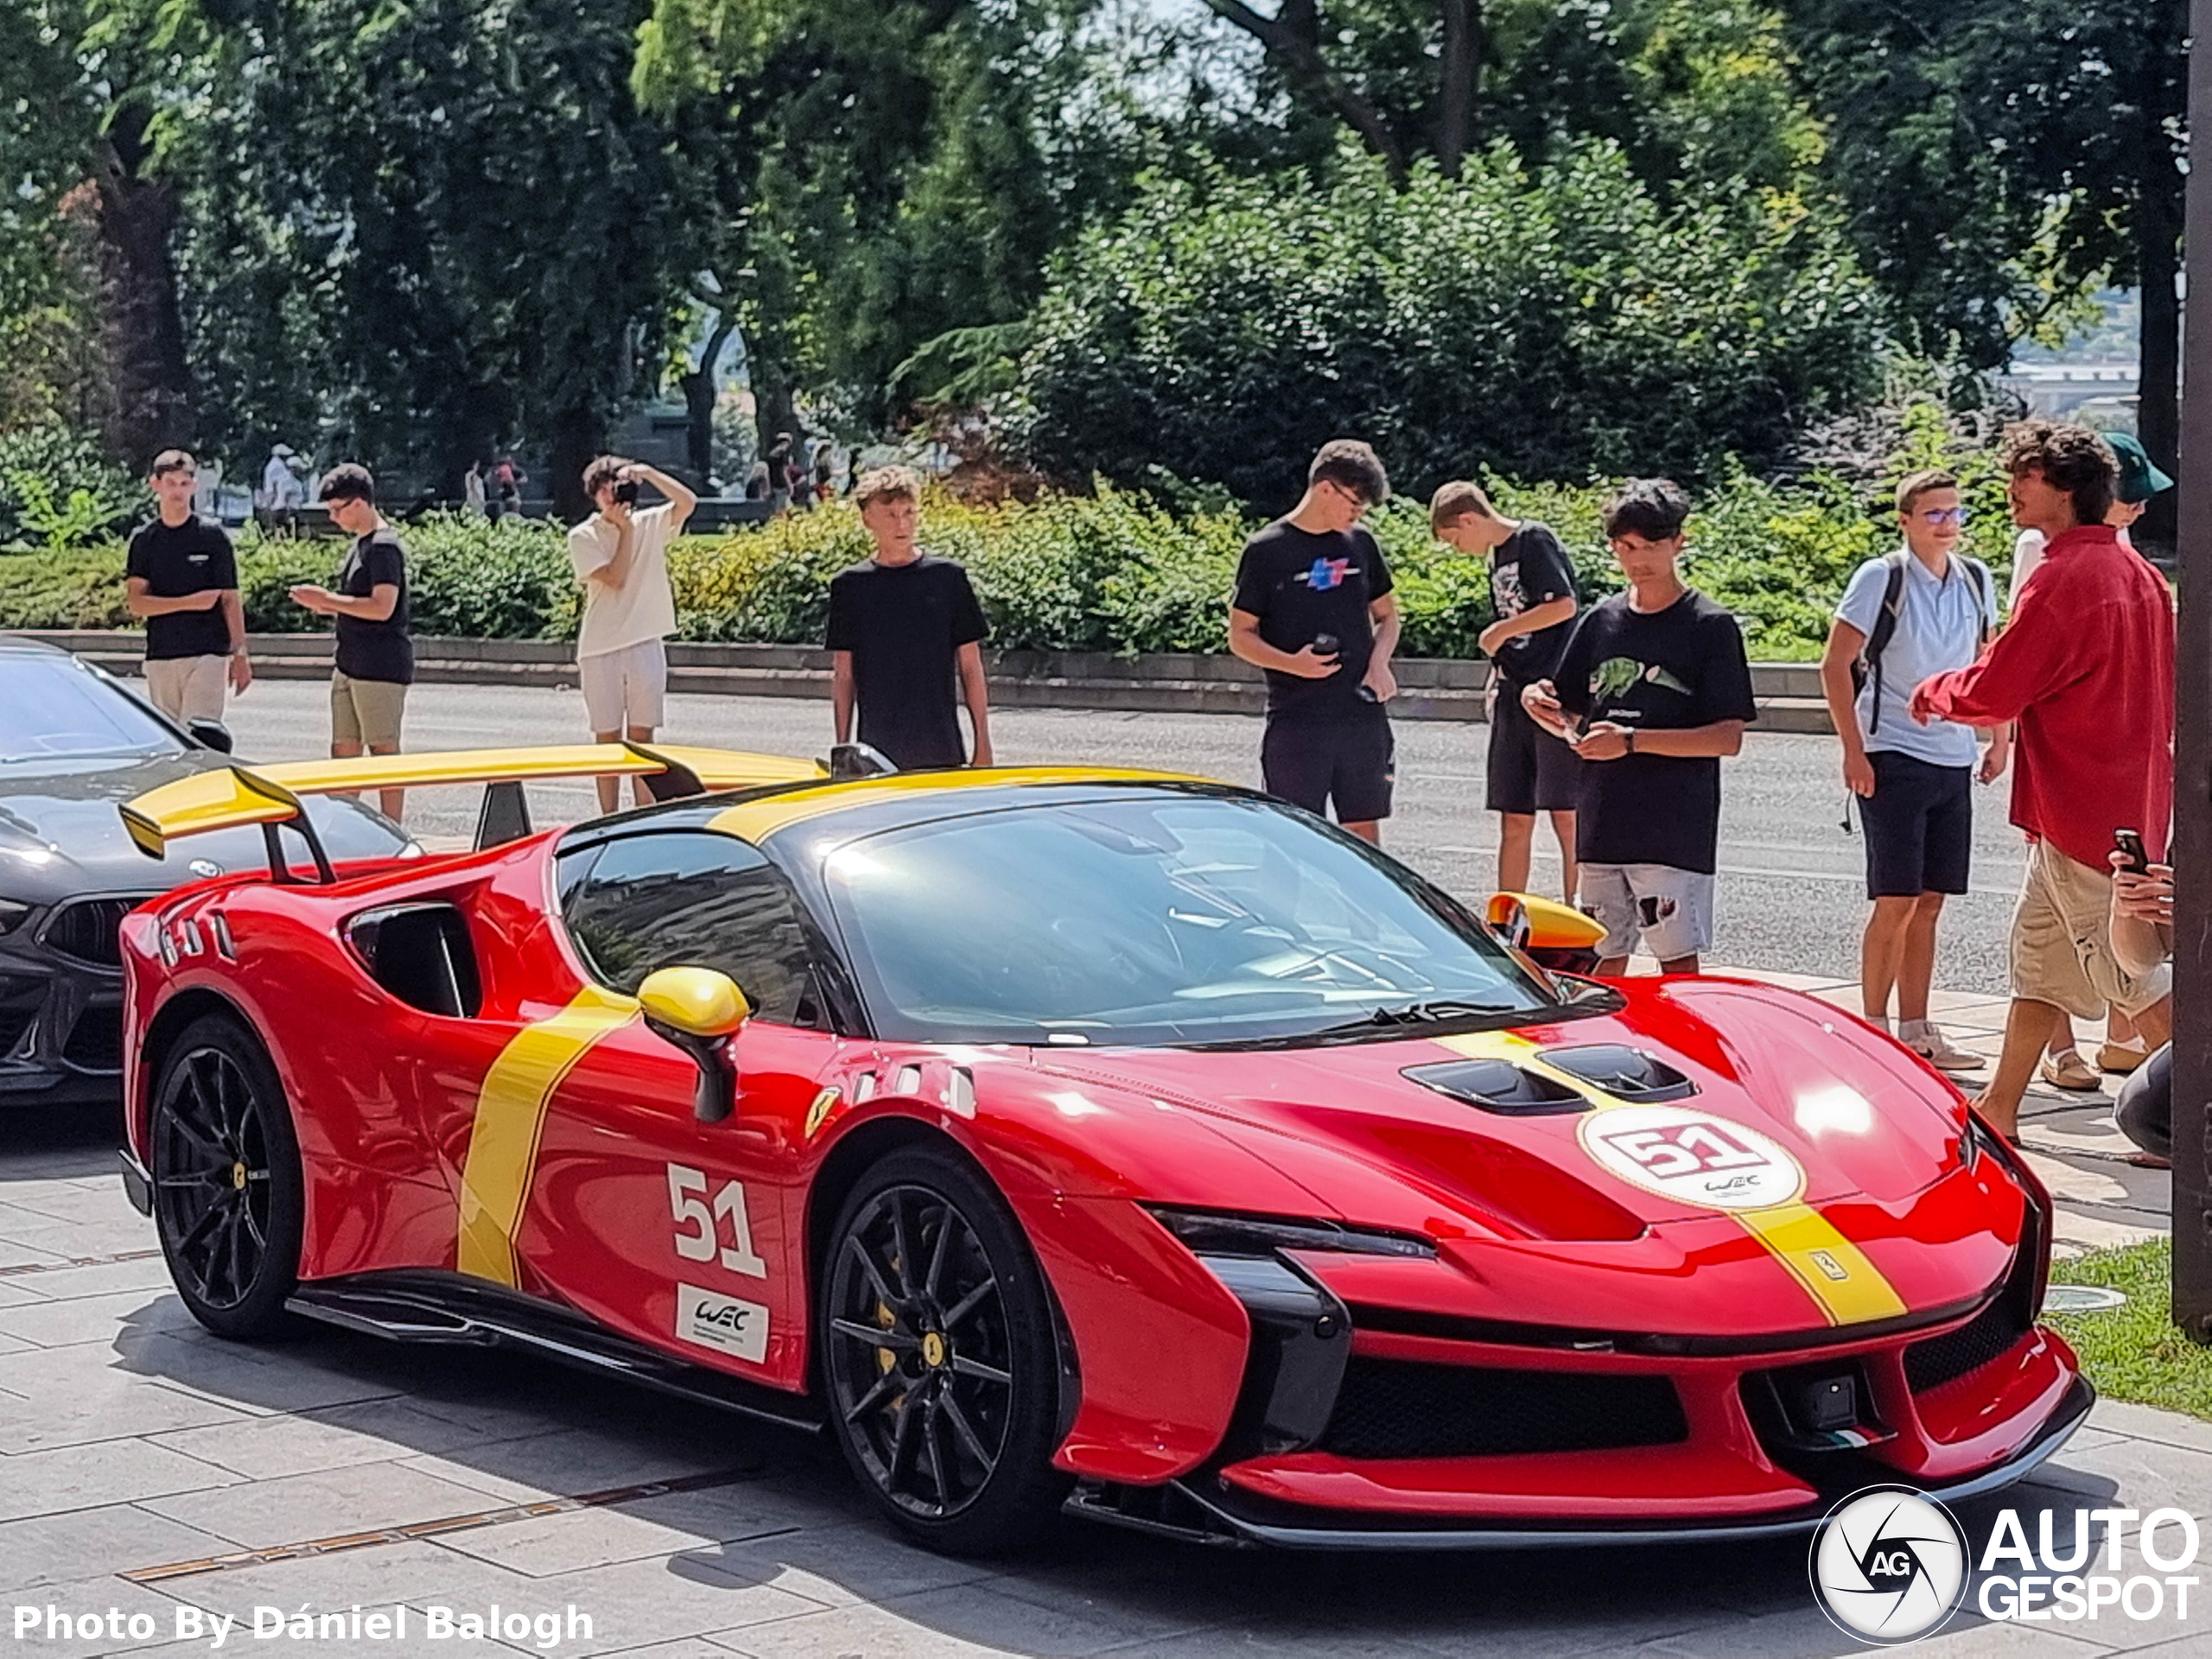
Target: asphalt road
(1792, 894)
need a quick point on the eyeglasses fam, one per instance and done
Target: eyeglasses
(1944, 516)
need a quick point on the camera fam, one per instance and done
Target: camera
(626, 491)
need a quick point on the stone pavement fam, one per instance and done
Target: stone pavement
(148, 1472)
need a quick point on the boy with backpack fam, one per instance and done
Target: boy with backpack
(1919, 611)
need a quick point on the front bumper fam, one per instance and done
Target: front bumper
(61, 1012)
(1220, 1512)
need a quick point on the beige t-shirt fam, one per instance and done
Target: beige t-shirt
(642, 607)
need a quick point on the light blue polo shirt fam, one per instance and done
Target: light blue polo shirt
(1940, 624)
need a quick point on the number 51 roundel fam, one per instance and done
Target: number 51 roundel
(1693, 1158)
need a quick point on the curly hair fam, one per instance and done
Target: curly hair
(1654, 508)
(887, 484)
(2070, 458)
(349, 481)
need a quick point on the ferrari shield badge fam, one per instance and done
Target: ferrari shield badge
(1692, 1157)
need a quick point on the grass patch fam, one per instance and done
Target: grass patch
(2137, 1353)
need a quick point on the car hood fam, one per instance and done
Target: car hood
(1809, 1107)
(61, 837)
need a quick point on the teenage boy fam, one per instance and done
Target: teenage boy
(1919, 611)
(182, 578)
(1532, 596)
(376, 656)
(904, 625)
(2086, 671)
(2140, 479)
(620, 554)
(1313, 609)
(1652, 689)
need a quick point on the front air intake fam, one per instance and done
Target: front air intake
(1391, 1408)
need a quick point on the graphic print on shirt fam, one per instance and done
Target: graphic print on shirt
(1507, 596)
(1616, 674)
(1328, 573)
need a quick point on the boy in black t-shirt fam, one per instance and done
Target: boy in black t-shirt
(1652, 689)
(1533, 599)
(903, 626)
(376, 654)
(1313, 609)
(181, 576)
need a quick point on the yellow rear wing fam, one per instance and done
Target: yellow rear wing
(235, 797)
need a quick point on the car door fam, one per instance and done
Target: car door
(684, 1233)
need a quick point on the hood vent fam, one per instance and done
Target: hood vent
(1627, 1074)
(1498, 1086)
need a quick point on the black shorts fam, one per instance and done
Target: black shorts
(1352, 762)
(1919, 824)
(1529, 770)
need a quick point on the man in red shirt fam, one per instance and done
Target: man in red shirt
(2087, 669)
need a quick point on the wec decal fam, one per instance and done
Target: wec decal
(708, 1319)
(1692, 1157)
(698, 1225)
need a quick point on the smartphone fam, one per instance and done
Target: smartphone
(2129, 844)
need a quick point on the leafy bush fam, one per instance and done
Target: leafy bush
(58, 489)
(1108, 571)
(1558, 323)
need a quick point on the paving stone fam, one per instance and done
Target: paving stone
(636, 1604)
(369, 1431)
(52, 1549)
(94, 1598)
(847, 1566)
(711, 1527)
(416, 1573)
(2152, 1474)
(854, 1632)
(88, 1477)
(2123, 1417)
(1984, 1639)
(572, 1461)
(64, 1200)
(94, 1319)
(299, 1508)
(141, 1274)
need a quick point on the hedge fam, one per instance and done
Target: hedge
(1108, 571)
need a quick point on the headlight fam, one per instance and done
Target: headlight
(13, 914)
(1210, 1232)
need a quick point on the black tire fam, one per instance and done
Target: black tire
(229, 1199)
(938, 1362)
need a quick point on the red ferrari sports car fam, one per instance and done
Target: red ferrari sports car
(1099, 1140)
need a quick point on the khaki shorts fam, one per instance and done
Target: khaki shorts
(188, 687)
(2061, 942)
(366, 711)
(625, 688)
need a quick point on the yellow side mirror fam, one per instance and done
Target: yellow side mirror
(695, 1008)
(697, 1002)
(1528, 923)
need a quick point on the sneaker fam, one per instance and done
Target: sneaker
(2121, 1057)
(2067, 1070)
(1936, 1048)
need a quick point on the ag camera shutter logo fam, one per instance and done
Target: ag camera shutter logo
(1889, 1566)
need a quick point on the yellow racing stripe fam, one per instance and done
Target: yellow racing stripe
(750, 820)
(1843, 1284)
(510, 1116)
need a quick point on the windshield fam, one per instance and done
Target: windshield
(1152, 920)
(55, 707)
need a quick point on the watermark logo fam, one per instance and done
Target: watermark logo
(1889, 1566)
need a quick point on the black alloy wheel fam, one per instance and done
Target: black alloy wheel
(227, 1189)
(938, 1354)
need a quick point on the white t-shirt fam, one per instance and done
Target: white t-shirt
(642, 607)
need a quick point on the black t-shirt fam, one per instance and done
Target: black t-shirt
(1681, 667)
(1305, 586)
(1527, 569)
(904, 625)
(375, 650)
(176, 560)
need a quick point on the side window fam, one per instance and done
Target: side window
(691, 899)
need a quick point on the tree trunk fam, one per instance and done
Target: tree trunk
(140, 321)
(1301, 58)
(1459, 78)
(699, 401)
(579, 438)
(2158, 407)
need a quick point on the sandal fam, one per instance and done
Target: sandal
(2067, 1070)
(2120, 1059)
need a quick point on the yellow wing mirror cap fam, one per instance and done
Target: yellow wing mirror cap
(1529, 923)
(697, 1002)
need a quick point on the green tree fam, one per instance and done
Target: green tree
(439, 225)
(1555, 322)
(2002, 158)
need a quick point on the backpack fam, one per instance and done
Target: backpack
(1869, 663)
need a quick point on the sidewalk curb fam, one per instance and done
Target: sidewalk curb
(1429, 688)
